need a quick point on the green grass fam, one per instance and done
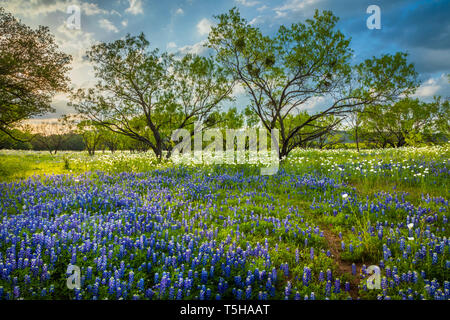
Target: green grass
(418, 178)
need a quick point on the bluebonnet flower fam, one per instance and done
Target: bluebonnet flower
(328, 288)
(321, 276)
(329, 275)
(337, 286)
(16, 292)
(130, 278)
(384, 283)
(287, 289)
(248, 293)
(347, 286)
(227, 271)
(405, 255)
(380, 233)
(89, 273)
(141, 284)
(434, 258)
(197, 243)
(274, 275)
(306, 276)
(204, 278)
(402, 244)
(111, 286)
(388, 272)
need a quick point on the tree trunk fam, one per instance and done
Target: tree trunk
(357, 138)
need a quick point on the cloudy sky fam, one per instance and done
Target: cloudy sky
(420, 28)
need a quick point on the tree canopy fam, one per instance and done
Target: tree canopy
(32, 71)
(142, 95)
(406, 122)
(285, 72)
(145, 94)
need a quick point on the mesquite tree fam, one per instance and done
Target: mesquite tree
(146, 95)
(32, 71)
(303, 62)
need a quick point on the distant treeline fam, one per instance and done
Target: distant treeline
(79, 142)
(64, 142)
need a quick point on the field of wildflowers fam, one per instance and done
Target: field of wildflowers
(142, 229)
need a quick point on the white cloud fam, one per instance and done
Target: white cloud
(295, 6)
(432, 87)
(76, 43)
(91, 9)
(247, 3)
(280, 14)
(171, 45)
(238, 90)
(314, 102)
(108, 25)
(204, 26)
(135, 7)
(428, 89)
(82, 75)
(34, 8)
(197, 48)
(179, 12)
(258, 19)
(116, 13)
(124, 23)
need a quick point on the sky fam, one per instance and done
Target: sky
(419, 28)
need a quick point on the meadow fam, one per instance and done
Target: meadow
(143, 229)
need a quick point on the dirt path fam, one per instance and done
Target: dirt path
(334, 245)
(344, 267)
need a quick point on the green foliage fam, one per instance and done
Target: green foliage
(297, 215)
(34, 53)
(301, 63)
(52, 136)
(21, 140)
(146, 95)
(407, 122)
(230, 119)
(66, 163)
(92, 135)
